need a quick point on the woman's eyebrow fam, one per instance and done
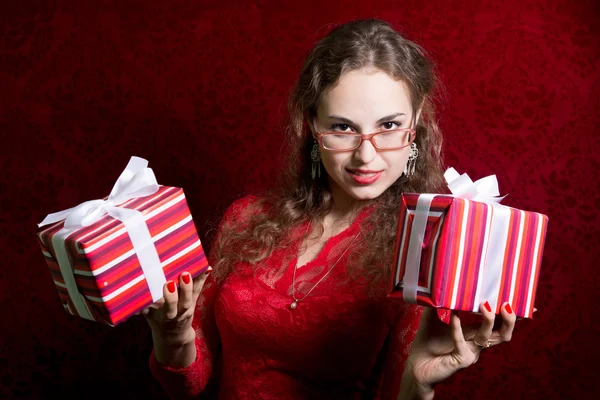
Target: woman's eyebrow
(350, 122)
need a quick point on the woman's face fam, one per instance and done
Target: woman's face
(364, 101)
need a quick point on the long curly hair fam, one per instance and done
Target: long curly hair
(298, 198)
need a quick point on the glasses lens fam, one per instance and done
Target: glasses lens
(340, 142)
(392, 139)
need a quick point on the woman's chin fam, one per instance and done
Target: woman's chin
(365, 193)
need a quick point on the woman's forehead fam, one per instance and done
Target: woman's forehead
(365, 94)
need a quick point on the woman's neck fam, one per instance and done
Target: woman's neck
(344, 207)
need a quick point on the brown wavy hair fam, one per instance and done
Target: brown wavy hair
(299, 198)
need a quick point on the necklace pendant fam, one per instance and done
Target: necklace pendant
(294, 305)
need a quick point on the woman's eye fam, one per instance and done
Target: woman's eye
(391, 125)
(340, 127)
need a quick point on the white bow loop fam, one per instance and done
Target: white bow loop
(484, 189)
(137, 180)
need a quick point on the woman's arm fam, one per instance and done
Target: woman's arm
(184, 356)
(184, 365)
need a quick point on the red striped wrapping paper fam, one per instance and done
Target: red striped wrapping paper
(106, 268)
(453, 257)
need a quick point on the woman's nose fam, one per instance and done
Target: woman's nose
(366, 152)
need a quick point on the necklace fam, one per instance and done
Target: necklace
(295, 302)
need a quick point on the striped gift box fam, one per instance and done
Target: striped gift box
(105, 266)
(457, 269)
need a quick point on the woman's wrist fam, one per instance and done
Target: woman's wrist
(412, 389)
(177, 352)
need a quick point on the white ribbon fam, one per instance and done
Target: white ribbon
(413, 260)
(137, 180)
(483, 190)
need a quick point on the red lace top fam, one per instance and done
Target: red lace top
(339, 343)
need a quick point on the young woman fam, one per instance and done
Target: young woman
(295, 306)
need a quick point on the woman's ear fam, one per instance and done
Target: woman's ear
(311, 121)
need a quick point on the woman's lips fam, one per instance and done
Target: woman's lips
(363, 176)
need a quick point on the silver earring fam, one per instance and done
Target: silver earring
(412, 160)
(315, 156)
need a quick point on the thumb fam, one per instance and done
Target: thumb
(199, 282)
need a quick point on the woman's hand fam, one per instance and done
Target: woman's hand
(439, 350)
(170, 318)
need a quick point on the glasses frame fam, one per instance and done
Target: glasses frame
(363, 137)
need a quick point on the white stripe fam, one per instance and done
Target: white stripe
(62, 285)
(181, 253)
(122, 231)
(47, 254)
(131, 252)
(107, 266)
(538, 237)
(140, 277)
(118, 291)
(125, 203)
(431, 213)
(515, 267)
(461, 251)
(488, 228)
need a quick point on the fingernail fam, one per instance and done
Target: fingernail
(487, 306)
(171, 287)
(534, 309)
(508, 308)
(186, 277)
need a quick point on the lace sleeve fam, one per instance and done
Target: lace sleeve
(189, 382)
(401, 337)
(201, 376)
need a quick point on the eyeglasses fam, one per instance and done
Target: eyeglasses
(385, 140)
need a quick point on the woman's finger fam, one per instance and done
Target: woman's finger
(508, 322)
(482, 336)
(463, 356)
(199, 283)
(186, 300)
(456, 331)
(171, 299)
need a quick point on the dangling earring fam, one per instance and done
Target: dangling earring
(315, 156)
(412, 160)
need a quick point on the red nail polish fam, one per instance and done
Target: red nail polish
(186, 278)
(508, 308)
(487, 306)
(171, 287)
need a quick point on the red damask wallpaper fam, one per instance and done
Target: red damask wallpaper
(199, 88)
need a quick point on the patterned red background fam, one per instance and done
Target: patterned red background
(199, 89)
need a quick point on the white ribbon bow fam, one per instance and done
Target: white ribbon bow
(483, 190)
(137, 180)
